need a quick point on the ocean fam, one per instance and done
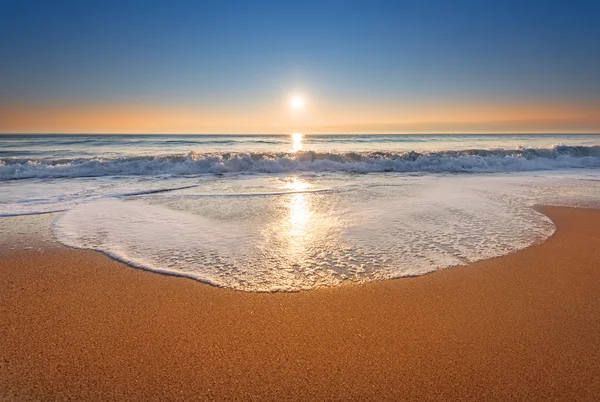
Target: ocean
(296, 212)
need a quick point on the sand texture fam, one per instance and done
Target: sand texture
(75, 324)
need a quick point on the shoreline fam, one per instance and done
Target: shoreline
(45, 240)
(77, 325)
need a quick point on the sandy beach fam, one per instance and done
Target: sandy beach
(75, 324)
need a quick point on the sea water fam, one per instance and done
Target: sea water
(293, 212)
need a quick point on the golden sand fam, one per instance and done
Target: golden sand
(76, 324)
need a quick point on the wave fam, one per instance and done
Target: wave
(464, 161)
(260, 194)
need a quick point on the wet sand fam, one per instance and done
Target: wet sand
(75, 324)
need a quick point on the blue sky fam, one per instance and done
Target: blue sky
(349, 57)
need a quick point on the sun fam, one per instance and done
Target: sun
(297, 102)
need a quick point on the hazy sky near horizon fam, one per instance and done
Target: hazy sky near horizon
(361, 66)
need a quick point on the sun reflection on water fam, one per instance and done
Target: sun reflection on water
(297, 142)
(299, 219)
(300, 214)
(299, 208)
(296, 184)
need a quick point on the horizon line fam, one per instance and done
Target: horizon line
(309, 134)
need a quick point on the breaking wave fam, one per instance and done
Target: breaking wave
(475, 160)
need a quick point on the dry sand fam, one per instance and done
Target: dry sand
(77, 325)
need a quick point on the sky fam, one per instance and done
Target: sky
(361, 66)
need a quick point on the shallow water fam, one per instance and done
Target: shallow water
(312, 222)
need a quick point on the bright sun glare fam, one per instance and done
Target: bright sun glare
(297, 102)
(297, 142)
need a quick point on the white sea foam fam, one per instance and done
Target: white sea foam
(472, 161)
(383, 227)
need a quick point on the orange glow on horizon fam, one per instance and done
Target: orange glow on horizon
(538, 117)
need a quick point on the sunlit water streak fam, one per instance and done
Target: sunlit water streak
(297, 142)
